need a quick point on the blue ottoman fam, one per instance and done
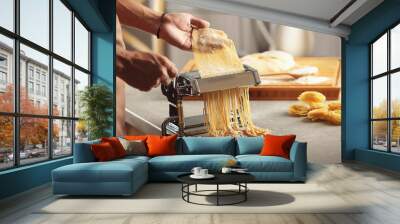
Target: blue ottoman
(118, 177)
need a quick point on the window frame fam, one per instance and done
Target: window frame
(16, 114)
(388, 74)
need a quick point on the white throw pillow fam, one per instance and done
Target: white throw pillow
(134, 147)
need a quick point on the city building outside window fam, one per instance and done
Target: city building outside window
(27, 138)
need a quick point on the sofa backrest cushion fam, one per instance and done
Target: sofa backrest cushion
(83, 152)
(249, 145)
(206, 145)
(116, 145)
(104, 151)
(161, 145)
(277, 145)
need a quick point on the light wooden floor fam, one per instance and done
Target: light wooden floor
(353, 182)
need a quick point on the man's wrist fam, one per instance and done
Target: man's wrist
(160, 25)
(154, 22)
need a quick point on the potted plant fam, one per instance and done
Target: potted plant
(96, 103)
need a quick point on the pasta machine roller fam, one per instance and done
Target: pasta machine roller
(191, 84)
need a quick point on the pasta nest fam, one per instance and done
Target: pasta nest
(312, 98)
(299, 109)
(313, 107)
(335, 105)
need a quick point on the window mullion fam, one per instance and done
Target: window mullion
(16, 85)
(389, 101)
(50, 81)
(371, 137)
(73, 82)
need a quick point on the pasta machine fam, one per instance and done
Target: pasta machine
(191, 84)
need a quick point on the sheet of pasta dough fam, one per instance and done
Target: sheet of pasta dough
(214, 53)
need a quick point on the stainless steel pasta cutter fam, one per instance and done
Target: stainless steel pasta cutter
(191, 84)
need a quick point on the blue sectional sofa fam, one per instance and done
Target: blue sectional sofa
(125, 176)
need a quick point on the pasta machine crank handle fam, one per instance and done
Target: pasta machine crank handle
(181, 121)
(170, 92)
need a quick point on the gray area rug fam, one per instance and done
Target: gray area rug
(166, 198)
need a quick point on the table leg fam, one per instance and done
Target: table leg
(217, 194)
(182, 188)
(245, 193)
(195, 188)
(188, 189)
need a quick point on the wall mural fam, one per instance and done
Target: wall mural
(299, 90)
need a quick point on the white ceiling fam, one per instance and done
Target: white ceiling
(321, 9)
(324, 16)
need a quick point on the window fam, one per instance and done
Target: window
(35, 21)
(37, 89)
(62, 137)
(7, 14)
(3, 78)
(385, 92)
(81, 81)
(37, 74)
(3, 61)
(30, 72)
(81, 45)
(62, 74)
(3, 72)
(6, 73)
(30, 87)
(44, 91)
(62, 29)
(6, 143)
(40, 129)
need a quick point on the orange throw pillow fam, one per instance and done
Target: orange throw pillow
(116, 145)
(277, 145)
(103, 152)
(136, 137)
(161, 145)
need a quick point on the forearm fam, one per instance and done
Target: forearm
(119, 35)
(134, 14)
(122, 62)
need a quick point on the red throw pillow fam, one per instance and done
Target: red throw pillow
(161, 145)
(103, 152)
(277, 145)
(116, 145)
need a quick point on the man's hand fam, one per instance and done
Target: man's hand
(176, 29)
(143, 70)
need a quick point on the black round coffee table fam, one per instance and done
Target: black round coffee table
(238, 179)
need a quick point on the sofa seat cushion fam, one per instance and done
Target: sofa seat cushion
(113, 171)
(133, 157)
(257, 163)
(185, 163)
